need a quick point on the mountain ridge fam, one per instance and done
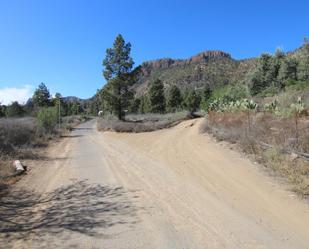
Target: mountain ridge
(210, 67)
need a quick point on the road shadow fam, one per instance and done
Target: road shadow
(79, 207)
(42, 157)
(82, 129)
(71, 136)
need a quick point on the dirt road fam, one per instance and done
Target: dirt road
(172, 188)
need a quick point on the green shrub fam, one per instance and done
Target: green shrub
(230, 92)
(223, 105)
(269, 92)
(192, 101)
(47, 118)
(14, 110)
(297, 85)
(271, 107)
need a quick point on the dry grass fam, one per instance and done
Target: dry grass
(280, 133)
(69, 122)
(22, 134)
(20, 138)
(18, 133)
(142, 122)
(6, 169)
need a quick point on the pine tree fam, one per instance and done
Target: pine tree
(205, 98)
(144, 106)
(118, 72)
(156, 97)
(304, 62)
(266, 74)
(58, 100)
(272, 76)
(135, 105)
(41, 96)
(288, 70)
(174, 99)
(2, 111)
(192, 101)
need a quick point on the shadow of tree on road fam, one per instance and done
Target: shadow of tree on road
(82, 129)
(79, 207)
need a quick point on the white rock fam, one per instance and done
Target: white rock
(18, 166)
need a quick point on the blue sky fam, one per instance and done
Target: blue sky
(62, 43)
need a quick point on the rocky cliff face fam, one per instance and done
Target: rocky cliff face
(199, 58)
(208, 55)
(211, 68)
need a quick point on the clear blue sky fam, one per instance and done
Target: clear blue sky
(62, 43)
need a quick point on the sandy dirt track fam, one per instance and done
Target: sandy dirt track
(173, 188)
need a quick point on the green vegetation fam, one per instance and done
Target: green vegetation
(156, 97)
(205, 98)
(174, 99)
(41, 96)
(47, 119)
(276, 73)
(14, 110)
(144, 105)
(41, 100)
(118, 73)
(191, 101)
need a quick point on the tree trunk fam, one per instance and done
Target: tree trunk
(119, 104)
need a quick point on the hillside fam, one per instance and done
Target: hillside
(216, 75)
(73, 99)
(213, 68)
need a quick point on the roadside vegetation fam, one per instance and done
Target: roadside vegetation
(141, 122)
(24, 138)
(26, 129)
(275, 135)
(267, 115)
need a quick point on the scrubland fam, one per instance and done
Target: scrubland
(142, 122)
(275, 142)
(24, 138)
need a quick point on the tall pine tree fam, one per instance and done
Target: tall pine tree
(174, 99)
(118, 73)
(192, 101)
(303, 72)
(41, 96)
(156, 97)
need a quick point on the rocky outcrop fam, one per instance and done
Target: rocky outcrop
(199, 58)
(208, 55)
(212, 68)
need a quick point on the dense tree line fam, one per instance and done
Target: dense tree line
(43, 99)
(275, 72)
(160, 99)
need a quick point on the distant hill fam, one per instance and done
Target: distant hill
(73, 99)
(213, 68)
